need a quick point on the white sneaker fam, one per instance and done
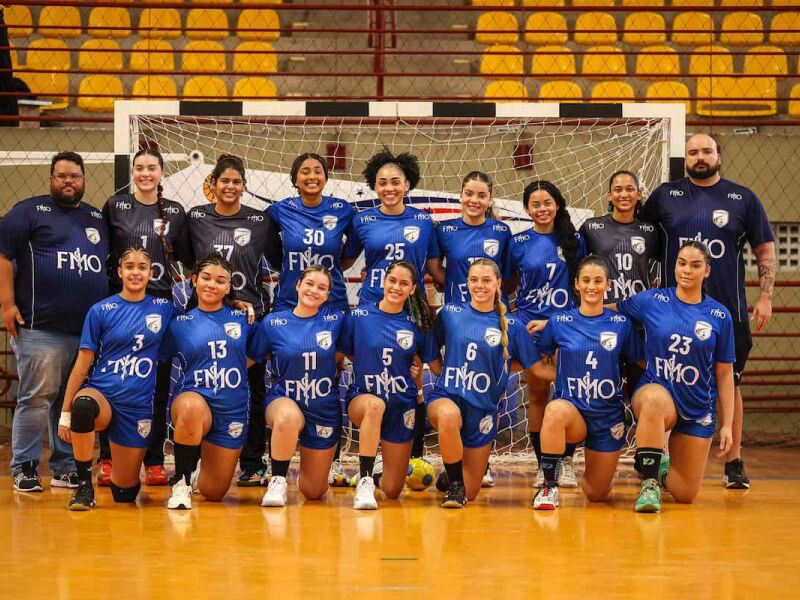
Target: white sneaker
(538, 480)
(181, 497)
(546, 498)
(336, 476)
(377, 469)
(193, 479)
(567, 476)
(488, 480)
(276, 492)
(365, 495)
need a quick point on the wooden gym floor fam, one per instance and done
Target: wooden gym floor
(729, 544)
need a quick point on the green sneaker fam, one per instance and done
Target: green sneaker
(663, 469)
(649, 500)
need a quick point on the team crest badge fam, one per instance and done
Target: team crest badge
(491, 247)
(637, 243)
(235, 429)
(157, 223)
(608, 340)
(329, 222)
(153, 323)
(324, 431)
(405, 338)
(617, 431)
(486, 424)
(408, 419)
(411, 233)
(324, 339)
(707, 420)
(143, 427)
(233, 330)
(92, 235)
(492, 336)
(720, 218)
(241, 235)
(702, 330)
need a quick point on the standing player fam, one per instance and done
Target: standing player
(383, 340)
(546, 258)
(210, 409)
(247, 238)
(119, 345)
(303, 401)
(587, 401)
(723, 215)
(392, 231)
(689, 350)
(479, 340)
(148, 220)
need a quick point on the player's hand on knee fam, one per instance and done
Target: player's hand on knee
(12, 317)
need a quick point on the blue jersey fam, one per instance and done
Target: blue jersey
(303, 362)
(61, 256)
(589, 353)
(683, 343)
(474, 367)
(544, 279)
(723, 216)
(386, 239)
(126, 337)
(461, 244)
(383, 346)
(311, 236)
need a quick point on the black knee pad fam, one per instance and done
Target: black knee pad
(125, 494)
(84, 412)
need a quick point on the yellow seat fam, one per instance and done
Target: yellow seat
(603, 61)
(592, 3)
(252, 23)
(693, 29)
(612, 91)
(204, 57)
(154, 86)
(785, 29)
(100, 55)
(742, 29)
(766, 60)
(560, 91)
(206, 24)
(505, 90)
(644, 29)
(693, 3)
(655, 61)
(48, 54)
(497, 28)
(160, 23)
(152, 55)
(60, 22)
(710, 60)
(53, 86)
(552, 60)
(105, 22)
(255, 88)
(736, 97)
(53, 56)
(644, 3)
(255, 57)
(19, 21)
(794, 101)
(743, 3)
(204, 87)
(669, 91)
(98, 92)
(547, 3)
(595, 28)
(546, 28)
(496, 64)
(500, 3)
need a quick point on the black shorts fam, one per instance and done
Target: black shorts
(743, 342)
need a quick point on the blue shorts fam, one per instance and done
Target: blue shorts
(316, 434)
(478, 426)
(702, 428)
(130, 428)
(397, 426)
(605, 432)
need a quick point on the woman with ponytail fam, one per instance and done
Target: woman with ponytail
(383, 340)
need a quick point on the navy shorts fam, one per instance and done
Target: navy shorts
(397, 426)
(478, 426)
(130, 428)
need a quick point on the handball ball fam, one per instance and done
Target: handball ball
(420, 474)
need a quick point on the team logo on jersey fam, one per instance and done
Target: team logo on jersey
(330, 222)
(702, 330)
(707, 420)
(608, 340)
(405, 338)
(492, 336)
(153, 323)
(617, 431)
(491, 247)
(411, 233)
(241, 235)
(143, 427)
(157, 223)
(324, 339)
(92, 235)
(486, 424)
(638, 245)
(408, 418)
(233, 330)
(235, 429)
(324, 431)
(720, 218)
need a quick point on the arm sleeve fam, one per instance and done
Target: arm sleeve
(15, 230)
(181, 249)
(726, 348)
(353, 245)
(632, 350)
(438, 329)
(257, 342)
(346, 342)
(634, 307)
(92, 329)
(168, 349)
(545, 342)
(506, 266)
(759, 230)
(521, 345)
(427, 348)
(433, 243)
(274, 250)
(649, 210)
(581, 246)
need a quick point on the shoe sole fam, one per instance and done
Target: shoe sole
(485, 484)
(80, 507)
(545, 507)
(366, 507)
(648, 508)
(452, 504)
(55, 483)
(736, 485)
(179, 507)
(568, 484)
(35, 489)
(273, 503)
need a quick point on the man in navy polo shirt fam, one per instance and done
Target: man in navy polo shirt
(723, 215)
(59, 246)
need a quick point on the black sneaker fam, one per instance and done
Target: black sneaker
(456, 495)
(65, 480)
(28, 480)
(83, 498)
(735, 478)
(443, 482)
(251, 478)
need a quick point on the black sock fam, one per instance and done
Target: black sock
(280, 468)
(185, 460)
(570, 450)
(535, 437)
(365, 464)
(550, 464)
(455, 471)
(338, 452)
(84, 470)
(649, 459)
(418, 447)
